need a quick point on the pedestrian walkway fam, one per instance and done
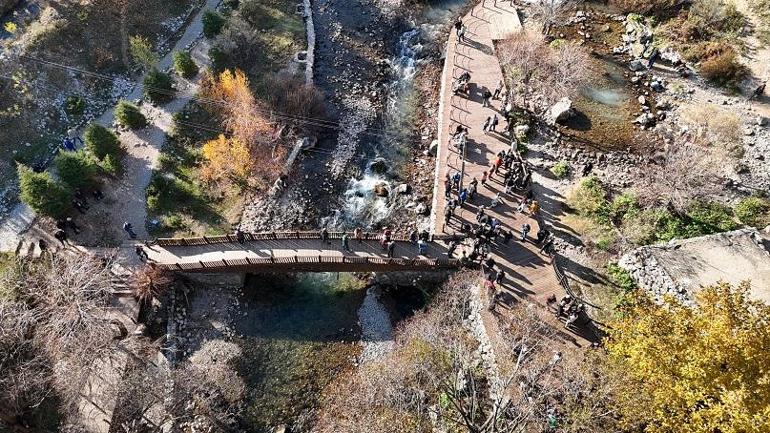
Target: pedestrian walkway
(294, 252)
(529, 274)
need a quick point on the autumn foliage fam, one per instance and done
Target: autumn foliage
(695, 370)
(250, 146)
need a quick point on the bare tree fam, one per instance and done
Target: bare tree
(546, 72)
(551, 12)
(150, 282)
(438, 379)
(681, 173)
(49, 340)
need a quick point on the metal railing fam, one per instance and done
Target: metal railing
(438, 263)
(285, 235)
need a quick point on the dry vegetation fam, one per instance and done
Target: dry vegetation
(53, 325)
(436, 378)
(547, 73)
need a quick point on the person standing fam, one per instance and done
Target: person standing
(461, 33)
(129, 228)
(413, 236)
(359, 235)
(486, 95)
(391, 248)
(239, 236)
(484, 179)
(447, 186)
(325, 236)
(422, 247)
(493, 125)
(500, 277)
(61, 236)
(524, 230)
(463, 196)
(447, 216)
(346, 242)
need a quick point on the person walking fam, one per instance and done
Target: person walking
(346, 242)
(461, 33)
(452, 247)
(359, 235)
(500, 277)
(141, 253)
(484, 179)
(486, 95)
(129, 228)
(61, 236)
(391, 248)
(547, 245)
(239, 236)
(463, 196)
(486, 124)
(325, 236)
(473, 188)
(414, 236)
(498, 89)
(507, 236)
(447, 217)
(447, 186)
(524, 230)
(495, 122)
(496, 201)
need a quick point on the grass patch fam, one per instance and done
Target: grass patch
(176, 198)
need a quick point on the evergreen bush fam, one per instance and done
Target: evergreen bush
(100, 141)
(40, 192)
(129, 115)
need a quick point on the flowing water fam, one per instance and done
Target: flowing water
(302, 331)
(361, 206)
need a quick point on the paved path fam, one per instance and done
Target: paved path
(125, 198)
(530, 274)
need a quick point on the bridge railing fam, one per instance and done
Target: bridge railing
(395, 262)
(283, 235)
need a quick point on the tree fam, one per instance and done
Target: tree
(157, 86)
(694, 369)
(184, 65)
(213, 22)
(247, 125)
(549, 72)
(43, 194)
(51, 335)
(551, 12)
(76, 169)
(129, 115)
(226, 159)
(142, 53)
(100, 141)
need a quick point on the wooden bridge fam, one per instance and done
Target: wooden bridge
(297, 252)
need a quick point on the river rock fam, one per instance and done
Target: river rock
(421, 209)
(379, 166)
(403, 189)
(642, 100)
(645, 119)
(381, 189)
(636, 65)
(560, 111)
(432, 148)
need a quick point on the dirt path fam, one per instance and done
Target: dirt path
(125, 198)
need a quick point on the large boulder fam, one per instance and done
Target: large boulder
(7, 5)
(379, 166)
(560, 111)
(381, 189)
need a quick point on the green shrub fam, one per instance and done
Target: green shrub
(141, 52)
(157, 86)
(40, 192)
(213, 22)
(219, 59)
(620, 277)
(129, 115)
(111, 164)
(76, 169)
(232, 4)
(560, 169)
(184, 64)
(100, 141)
(74, 105)
(709, 217)
(622, 205)
(589, 198)
(753, 211)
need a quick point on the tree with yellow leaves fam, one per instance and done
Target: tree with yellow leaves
(700, 369)
(226, 160)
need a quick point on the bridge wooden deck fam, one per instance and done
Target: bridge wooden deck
(529, 274)
(301, 252)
